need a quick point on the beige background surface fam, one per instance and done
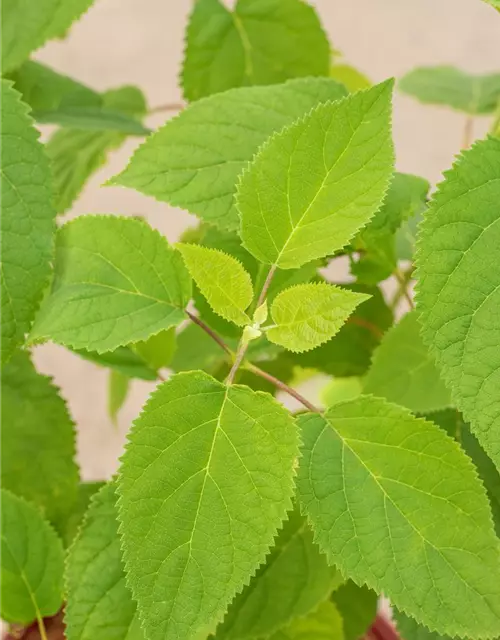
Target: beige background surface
(140, 42)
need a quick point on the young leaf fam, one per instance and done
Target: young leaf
(47, 19)
(221, 279)
(339, 389)
(99, 602)
(350, 77)
(398, 506)
(121, 276)
(358, 608)
(27, 222)
(309, 314)
(458, 292)
(294, 580)
(454, 88)
(323, 624)
(38, 440)
(32, 562)
(257, 43)
(206, 480)
(76, 154)
(403, 370)
(194, 160)
(349, 352)
(118, 386)
(314, 185)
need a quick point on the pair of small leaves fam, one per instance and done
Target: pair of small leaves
(32, 561)
(458, 291)
(381, 488)
(27, 220)
(454, 88)
(305, 316)
(194, 536)
(255, 44)
(116, 281)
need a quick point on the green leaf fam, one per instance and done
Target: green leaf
(124, 360)
(121, 276)
(76, 154)
(92, 119)
(27, 221)
(409, 629)
(458, 293)
(340, 389)
(99, 604)
(47, 90)
(403, 370)
(308, 315)
(349, 352)
(221, 279)
(26, 26)
(452, 422)
(314, 185)
(350, 77)
(358, 608)
(194, 160)
(71, 525)
(196, 350)
(294, 580)
(32, 562)
(256, 44)
(118, 386)
(38, 440)
(193, 537)
(398, 506)
(158, 350)
(323, 624)
(474, 94)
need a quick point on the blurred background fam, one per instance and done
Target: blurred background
(141, 43)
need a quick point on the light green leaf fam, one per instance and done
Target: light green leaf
(398, 506)
(119, 275)
(494, 3)
(294, 580)
(350, 77)
(258, 43)
(194, 536)
(99, 605)
(47, 90)
(194, 160)
(474, 94)
(323, 624)
(158, 350)
(221, 279)
(27, 221)
(340, 389)
(76, 154)
(124, 360)
(71, 525)
(349, 352)
(32, 562)
(458, 293)
(409, 629)
(38, 440)
(308, 315)
(358, 608)
(26, 26)
(314, 185)
(403, 370)
(118, 386)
